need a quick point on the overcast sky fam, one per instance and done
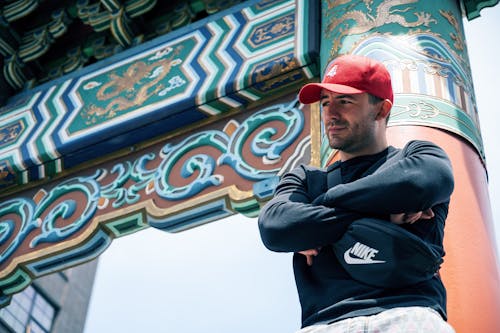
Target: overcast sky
(218, 278)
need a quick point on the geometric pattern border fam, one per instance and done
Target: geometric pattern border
(227, 167)
(229, 62)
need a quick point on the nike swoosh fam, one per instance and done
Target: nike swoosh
(358, 261)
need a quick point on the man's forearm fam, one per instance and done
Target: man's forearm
(290, 222)
(411, 184)
(293, 227)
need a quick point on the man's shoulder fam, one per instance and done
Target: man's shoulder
(423, 146)
(413, 144)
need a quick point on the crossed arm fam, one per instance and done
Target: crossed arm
(416, 180)
(290, 222)
(404, 188)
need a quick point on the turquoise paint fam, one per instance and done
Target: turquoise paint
(423, 46)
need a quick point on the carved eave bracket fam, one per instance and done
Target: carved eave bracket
(473, 8)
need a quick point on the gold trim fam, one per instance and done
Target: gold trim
(116, 155)
(16, 189)
(147, 207)
(315, 134)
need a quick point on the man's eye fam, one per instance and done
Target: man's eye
(344, 101)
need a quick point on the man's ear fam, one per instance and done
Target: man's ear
(384, 109)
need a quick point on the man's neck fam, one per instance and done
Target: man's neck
(344, 156)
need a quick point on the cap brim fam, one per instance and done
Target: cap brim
(311, 92)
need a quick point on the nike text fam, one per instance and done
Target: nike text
(361, 254)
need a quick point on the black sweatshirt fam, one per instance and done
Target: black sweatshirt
(305, 214)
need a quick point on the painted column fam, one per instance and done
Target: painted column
(422, 44)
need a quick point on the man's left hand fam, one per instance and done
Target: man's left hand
(412, 217)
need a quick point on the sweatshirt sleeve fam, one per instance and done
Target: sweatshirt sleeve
(290, 222)
(417, 178)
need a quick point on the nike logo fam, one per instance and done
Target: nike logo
(361, 254)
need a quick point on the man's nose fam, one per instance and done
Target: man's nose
(330, 115)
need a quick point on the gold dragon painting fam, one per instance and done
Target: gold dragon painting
(131, 89)
(355, 22)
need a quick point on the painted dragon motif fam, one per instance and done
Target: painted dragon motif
(272, 73)
(9, 134)
(455, 36)
(358, 22)
(131, 89)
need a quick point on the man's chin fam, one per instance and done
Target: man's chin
(335, 144)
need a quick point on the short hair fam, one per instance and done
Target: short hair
(372, 99)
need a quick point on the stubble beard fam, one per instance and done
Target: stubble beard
(342, 144)
(357, 139)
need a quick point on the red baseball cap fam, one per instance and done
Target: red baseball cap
(351, 74)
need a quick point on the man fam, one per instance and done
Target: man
(314, 209)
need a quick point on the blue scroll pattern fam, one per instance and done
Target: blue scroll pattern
(71, 205)
(53, 218)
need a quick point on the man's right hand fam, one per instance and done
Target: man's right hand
(310, 254)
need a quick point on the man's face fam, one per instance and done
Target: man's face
(349, 121)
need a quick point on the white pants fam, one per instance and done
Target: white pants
(398, 320)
